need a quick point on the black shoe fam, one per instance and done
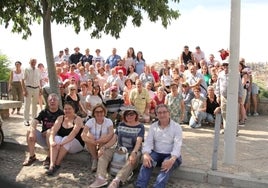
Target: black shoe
(29, 161)
(26, 123)
(52, 170)
(46, 162)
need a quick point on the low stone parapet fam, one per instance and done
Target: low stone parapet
(5, 105)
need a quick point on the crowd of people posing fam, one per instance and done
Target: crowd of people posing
(105, 104)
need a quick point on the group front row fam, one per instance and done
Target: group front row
(63, 132)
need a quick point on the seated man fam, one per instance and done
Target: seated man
(162, 147)
(139, 97)
(47, 117)
(113, 103)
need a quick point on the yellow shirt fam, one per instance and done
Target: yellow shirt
(139, 100)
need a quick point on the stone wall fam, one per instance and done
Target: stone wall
(263, 106)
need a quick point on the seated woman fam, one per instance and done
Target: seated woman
(97, 132)
(198, 108)
(65, 137)
(212, 106)
(129, 134)
(73, 97)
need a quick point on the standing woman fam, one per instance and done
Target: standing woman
(139, 63)
(15, 84)
(130, 58)
(97, 132)
(65, 137)
(129, 134)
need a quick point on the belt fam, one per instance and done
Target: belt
(33, 87)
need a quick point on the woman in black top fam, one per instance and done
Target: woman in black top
(73, 97)
(65, 137)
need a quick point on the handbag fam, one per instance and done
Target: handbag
(119, 159)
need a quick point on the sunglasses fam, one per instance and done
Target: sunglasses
(131, 113)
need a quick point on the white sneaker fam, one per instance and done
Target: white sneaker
(198, 125)
(256, 114)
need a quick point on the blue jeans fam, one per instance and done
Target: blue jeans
(162, 178)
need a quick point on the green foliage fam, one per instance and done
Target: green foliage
(101, 16)
(263, 93)
(4, 70)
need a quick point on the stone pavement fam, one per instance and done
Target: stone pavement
(250, 169)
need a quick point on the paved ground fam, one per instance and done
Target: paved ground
(250, 169)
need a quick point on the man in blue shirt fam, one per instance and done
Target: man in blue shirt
(113, 59)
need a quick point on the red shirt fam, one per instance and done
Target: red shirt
(156, 76)
(224, 55)
(117, 68)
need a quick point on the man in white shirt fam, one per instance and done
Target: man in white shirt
(31, 86)
(162, 147)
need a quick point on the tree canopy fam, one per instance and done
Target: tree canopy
(4, 70)
(100, 16)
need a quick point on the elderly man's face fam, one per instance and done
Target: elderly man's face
(163, 114)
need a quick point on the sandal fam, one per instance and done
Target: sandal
(52, 170)
(29, 161)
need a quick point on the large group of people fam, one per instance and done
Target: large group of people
(106, 103)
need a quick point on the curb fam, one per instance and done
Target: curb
(190, 174)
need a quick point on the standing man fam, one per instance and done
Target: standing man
(221, 90)
(75, 57)
(162, 147)
(47, 117)
(113, 59)
(31, 86)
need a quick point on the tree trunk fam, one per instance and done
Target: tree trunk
(53, 80)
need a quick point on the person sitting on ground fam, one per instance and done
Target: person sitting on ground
(65, 137)
(129, 134)
(73, 97)
(198, 108)
(47, 117)
(213, 106)
(139, 97)
(113, 103)
(187, 95)
(97, 132)
(162, 147)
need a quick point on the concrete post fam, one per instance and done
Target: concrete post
(232, 91)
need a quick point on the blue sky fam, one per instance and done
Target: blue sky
(204, 23)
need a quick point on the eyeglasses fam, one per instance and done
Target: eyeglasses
(72, 89)
(131, 114)
(163, 112)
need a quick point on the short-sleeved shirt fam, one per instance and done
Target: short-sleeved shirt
(48, 118)
(139, 99)
(127, 135)
(99, 129)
